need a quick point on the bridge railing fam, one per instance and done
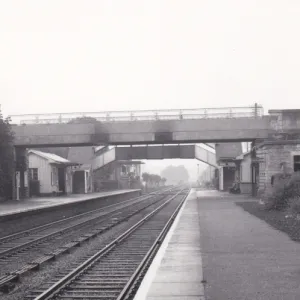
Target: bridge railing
(143, 115)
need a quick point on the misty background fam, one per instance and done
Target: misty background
(77, 56)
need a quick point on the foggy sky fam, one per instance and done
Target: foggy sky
(70, 55)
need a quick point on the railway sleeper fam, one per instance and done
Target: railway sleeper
(98, 286)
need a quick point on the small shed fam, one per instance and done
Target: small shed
(52, 172)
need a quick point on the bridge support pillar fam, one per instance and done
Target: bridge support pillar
(254, 170)
(20, 182)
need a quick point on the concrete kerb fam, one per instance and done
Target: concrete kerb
(33, 211)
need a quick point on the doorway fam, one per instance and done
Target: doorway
(62, 180)
(79, 182)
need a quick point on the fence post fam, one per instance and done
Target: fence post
(255, 110)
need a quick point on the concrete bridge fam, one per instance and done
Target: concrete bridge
(232, 125)
(155, 152)
(166, 152)
(269, 133)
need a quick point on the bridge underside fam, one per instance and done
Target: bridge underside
(166, 152)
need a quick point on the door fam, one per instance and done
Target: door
(79, 182)
(62, 180)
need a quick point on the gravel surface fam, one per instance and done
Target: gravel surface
(48, 271)
(276, 219)
(39, 218)
(133, 248)
(18, 260)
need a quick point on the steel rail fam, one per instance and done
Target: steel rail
(66, 280)
(14, 276)
(71, 227)
(127, 291)
(45, 226)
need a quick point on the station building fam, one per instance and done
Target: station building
(82, 170)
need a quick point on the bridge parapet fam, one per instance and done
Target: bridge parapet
(209, 130)
(143, 115)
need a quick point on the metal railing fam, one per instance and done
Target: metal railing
(142, 115)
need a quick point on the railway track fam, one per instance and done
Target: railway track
(41, 247)
(67, 221)
(115, 271)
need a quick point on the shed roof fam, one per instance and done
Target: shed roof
(130, 162)
(243, 155)
(52, 158)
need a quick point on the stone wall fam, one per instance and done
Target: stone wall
(275, 158)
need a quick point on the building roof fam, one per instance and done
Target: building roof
(52, 158)
(60, 151)
(243, 155)
(130, 162)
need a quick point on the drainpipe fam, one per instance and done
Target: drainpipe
(85, 182)
(253, 169)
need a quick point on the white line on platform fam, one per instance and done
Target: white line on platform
(151, 273)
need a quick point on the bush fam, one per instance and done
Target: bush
(294, 205)
(277, 196)
(285, 193)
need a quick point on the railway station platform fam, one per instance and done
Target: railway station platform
(40, 203)
(217, 251)
(176, 271)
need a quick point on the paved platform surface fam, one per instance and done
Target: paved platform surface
(13, 207)
(240, 256)
(176, 271)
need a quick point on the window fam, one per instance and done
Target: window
(296, 163)
(123, 170)
(54, 176)
(33, 174)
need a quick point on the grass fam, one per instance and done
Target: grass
(277, 219)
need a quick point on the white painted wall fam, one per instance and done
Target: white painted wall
(69, 180)
(44, 173)
(245, 169)
(221, 183)
(103, 159)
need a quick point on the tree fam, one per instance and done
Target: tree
(156, 179)
(175, 174)
(163, 180)
(6, 158)
(145, 177)
(84, 120)
(152, 179)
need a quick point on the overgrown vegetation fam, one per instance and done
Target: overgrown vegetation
(284, 194)
(84, 120)
(6, 158)
(280, 205)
